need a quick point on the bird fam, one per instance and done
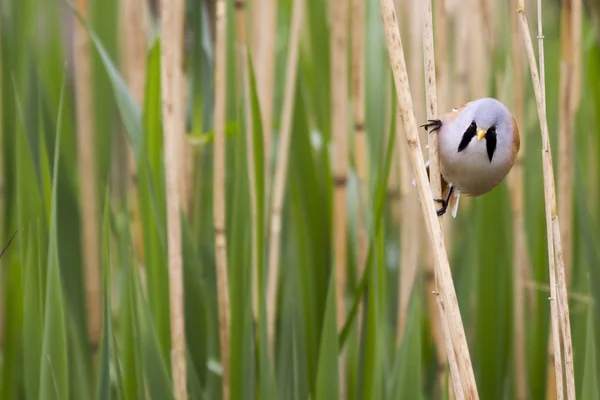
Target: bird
(478, 144)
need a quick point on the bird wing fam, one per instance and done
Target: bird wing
(453, 114)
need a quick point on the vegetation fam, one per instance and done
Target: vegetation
(177, 218)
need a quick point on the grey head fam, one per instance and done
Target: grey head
(485, 118)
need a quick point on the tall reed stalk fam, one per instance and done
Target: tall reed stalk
(281, 169)
(447, 293)
(569, 100)
(520, 253)
(133, 52)
(478, 74)
(265, 27)
(435, 180)
(339, 129)
(219, 192)
(411, 232)
(173, 127)
(565, 130)
(87, 178)
(441, 47)
(360, 132)
(559, 301)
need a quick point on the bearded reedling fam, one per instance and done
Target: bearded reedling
(478, 145)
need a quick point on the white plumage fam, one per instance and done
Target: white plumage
(478, 144)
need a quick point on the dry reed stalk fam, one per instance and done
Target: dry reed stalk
(281, 169)
(441, 59)
(576, 55)
(570, 83)
(134, 56)
(265, 26)
(410, 243)
(487, 25)
(435, 176)
(418, 235)
(449, 303)
(219, 191)
(520, 256)
(435, 179)
(565, 131)
(461, 68)
(477, 45)
(554, 389)
(360, 133)
(394, 191)
(443, 79)
(87, 178)
(454, 373)
(339, 129)
(171, 54)
(559, 303)
(410, 229)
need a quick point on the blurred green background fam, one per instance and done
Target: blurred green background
(45, 350)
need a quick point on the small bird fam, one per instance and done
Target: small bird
(478, 144)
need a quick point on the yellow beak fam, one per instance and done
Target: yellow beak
(480, 134)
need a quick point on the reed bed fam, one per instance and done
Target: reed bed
(214, 199)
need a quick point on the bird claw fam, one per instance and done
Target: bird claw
(435, 123)
(444, 202)
(441, 211)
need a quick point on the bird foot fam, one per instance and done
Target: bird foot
(441, 211)
(436, 124)
(444, 202)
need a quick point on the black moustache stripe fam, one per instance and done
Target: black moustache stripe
(467, 136)
(490, 142)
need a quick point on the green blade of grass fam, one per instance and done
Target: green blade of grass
(103, 388)
(151, 197)
(380, 197)
(239, 247)
(198, 331)
(128, 109)
(54, 365)
(327, 375)
(267, 384)
(493, 292)
(407, 380)
(589, 389)
(30, 219)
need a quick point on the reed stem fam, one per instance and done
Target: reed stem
(219, 191)
(265, 26)
(339, 129)
(87, 179)
(360, 132)
(447, 292)
(559, 304)
(173, 127)
(134, 57)
(520, 256)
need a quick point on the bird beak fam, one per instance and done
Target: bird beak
(480, 134)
